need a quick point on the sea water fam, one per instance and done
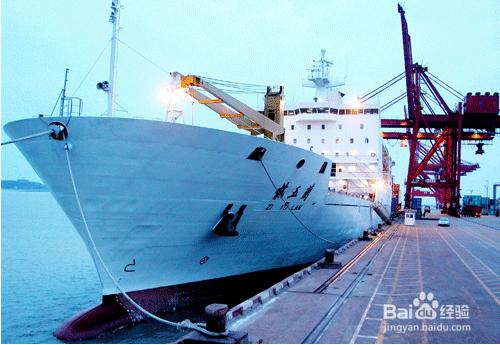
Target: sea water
(48, 276)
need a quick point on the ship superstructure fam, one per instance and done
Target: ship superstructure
(347, 133)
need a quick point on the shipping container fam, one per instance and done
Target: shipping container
(416, 204)
(394, 204)
(473, 200)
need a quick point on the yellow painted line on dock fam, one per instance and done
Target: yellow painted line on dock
(425, 335)
(380, 336)
(370, 302)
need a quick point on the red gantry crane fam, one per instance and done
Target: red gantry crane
(437, 165)
(435, 135)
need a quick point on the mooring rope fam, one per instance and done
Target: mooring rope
(28, 137)
(186, 324)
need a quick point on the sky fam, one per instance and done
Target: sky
(262, 42)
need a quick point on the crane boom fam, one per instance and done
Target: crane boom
(228, 107)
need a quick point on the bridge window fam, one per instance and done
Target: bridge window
(322, 141)
(361, 126)
(308, 140)
(308, 126)
(295, 141)
(340, 126)
(367, 140)
(292, 127)
(323, 126)
(351, 140)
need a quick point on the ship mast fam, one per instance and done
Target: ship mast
(114, 18)
(319, 78)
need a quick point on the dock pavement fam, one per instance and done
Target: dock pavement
(410, 284)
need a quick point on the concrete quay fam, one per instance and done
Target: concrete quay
(420, 284)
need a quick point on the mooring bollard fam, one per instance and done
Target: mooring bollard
(329, 256)
(215, 314)
(366, 235)
(216, 317)
(329, 261)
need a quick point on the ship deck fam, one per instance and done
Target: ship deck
(459, 265)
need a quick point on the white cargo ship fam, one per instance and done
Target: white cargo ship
(178, 213)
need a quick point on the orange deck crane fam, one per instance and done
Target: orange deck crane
(270, 123)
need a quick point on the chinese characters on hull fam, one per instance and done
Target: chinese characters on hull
(279, 193)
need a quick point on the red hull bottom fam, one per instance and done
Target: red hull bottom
(116, 312)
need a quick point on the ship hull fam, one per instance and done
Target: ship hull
(152, 193)
(116, 311)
